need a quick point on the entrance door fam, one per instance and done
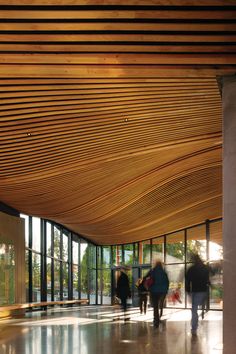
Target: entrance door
(134, 273)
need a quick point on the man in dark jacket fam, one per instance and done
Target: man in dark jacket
(197, 282)
(123, 288)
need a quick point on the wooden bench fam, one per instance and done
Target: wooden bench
(9, 310)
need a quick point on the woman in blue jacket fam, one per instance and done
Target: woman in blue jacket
(158, 290)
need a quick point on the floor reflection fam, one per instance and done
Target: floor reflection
(91, 330)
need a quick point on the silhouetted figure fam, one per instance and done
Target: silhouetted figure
(143, 296)
(197, 282)
(158, 290)
(123, 289)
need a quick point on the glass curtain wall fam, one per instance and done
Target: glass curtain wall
(61, 265)
(58, 263)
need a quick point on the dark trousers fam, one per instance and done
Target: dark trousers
(143, 303)
(158, 300)
(124, 302)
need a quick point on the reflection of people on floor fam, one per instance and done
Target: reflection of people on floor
(123, 289)
(197, 282)
(143, 296)
(158, 290)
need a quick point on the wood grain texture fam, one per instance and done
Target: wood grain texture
(110, 116)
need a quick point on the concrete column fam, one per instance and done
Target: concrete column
(229, 213)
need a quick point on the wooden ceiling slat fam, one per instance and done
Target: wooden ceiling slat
(120, 2)
(221, 14)
(118, 26)
(201, 59)
(10, 93)
(109, 81)
(101, 71)
(119, 48)
(126, 37)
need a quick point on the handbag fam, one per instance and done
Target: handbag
(148, 282)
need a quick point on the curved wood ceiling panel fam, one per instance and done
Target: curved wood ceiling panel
(110, 115)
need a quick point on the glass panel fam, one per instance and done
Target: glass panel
(65, 241)
(84, 269)
(56, 280)
(65, 280)
(216, 288)
(128, 254)
(158, 249)
(175, 247)
(75, 252)
(136, 253)
(92, 257)
(36, 276)
(129, 273)
(176, 294)
(26, 229)
(27, 275)
(99, 253)
(75, 281)
(145, 251)
(57, 242)
(99, 290)
(36, 231)
(49, 238)
(106, 256)
(49, 279)
(196, 242)
(116, 255)
(7, 274)
(106, 296)
(92, 286)
(215, 244)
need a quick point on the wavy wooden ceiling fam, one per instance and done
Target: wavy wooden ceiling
(110, 115)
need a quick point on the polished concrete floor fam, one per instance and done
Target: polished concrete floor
(100, 330)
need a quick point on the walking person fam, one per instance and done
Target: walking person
(158, 290)
(143, 296)
(197, 283)
(123, 289)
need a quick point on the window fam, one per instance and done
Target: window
(36, 232)
(36, 277)
(49, 238)
(158, 249)
(84, 269)
(7, 274)
(175, 247)
(196, 242)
